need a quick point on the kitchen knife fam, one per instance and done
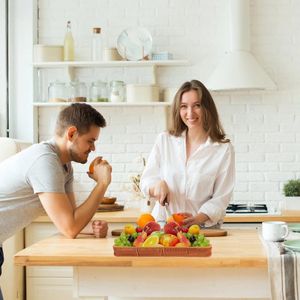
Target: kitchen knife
(167, 210)
(168, 214)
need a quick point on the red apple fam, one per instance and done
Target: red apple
(172, 228)
(168, 240)
(151, 227)
(138, 242)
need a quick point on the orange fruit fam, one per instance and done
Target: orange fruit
(92, 165)
(144, 219)
(179, 217)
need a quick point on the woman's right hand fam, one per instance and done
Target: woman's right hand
(161, 191)
(102, 172)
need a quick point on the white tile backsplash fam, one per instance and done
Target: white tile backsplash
(264, 126)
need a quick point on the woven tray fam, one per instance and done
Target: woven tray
(162, 251)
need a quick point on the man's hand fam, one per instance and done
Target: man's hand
(100, 228)
(102, 172)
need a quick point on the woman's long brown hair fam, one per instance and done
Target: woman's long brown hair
(211, 122)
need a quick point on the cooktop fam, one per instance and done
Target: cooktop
(246, 208)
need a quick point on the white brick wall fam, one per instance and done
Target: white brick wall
(263, 126)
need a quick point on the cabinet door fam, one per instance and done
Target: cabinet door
(46, 283)
(11, 280)
(49, 288)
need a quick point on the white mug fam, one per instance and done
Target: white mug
(274, 231)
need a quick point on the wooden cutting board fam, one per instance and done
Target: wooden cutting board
(206, 232)
(110, 207)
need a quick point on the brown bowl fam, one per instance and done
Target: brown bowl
(108, 200)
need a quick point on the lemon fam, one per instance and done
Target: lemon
(151, 241)
(129, 229)
(194, 229)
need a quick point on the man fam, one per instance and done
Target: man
(41, 178)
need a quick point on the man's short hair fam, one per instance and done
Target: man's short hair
(80, 115)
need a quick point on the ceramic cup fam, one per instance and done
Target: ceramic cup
(274, 231)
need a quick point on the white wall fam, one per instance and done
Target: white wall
(3, 91)
(22, 34)
(264, 126)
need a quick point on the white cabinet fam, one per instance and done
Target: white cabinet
(48, 283)
(12, 278)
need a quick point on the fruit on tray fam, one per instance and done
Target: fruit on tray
(172, 228)
(144, 219)
(183, 239)
(168, 240)
(194, 229)
(129, 229)
(148, 233)
(151, 227)
(151, 241)
(140, 239)
(179, 217)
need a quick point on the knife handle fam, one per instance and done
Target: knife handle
(165, 202)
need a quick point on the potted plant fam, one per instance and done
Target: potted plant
(291, 191)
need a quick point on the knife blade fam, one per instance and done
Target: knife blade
(167, 213)
(167, 209)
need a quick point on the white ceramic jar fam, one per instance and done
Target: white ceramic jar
(142, 93)
(44, 53)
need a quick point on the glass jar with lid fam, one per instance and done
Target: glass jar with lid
(98, 92)
(117, 91)
(78, 91)
(57, 92)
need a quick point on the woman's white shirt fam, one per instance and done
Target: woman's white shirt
(203, 183)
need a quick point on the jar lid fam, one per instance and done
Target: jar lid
(96, 30)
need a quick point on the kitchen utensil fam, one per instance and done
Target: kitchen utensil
(292, 245)
(109, 207)
(167, 209)
(295, 227)
(134, 43)
(275, 231)
(168, 214)
(108, 200)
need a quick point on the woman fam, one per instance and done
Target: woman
(192, 165)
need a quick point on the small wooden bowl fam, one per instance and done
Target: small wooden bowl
(108, 200)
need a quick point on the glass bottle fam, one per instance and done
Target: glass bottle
(69, 44)
(57, 92)
(98, 92)
(96, 49)
(78, 91)
(117, 91)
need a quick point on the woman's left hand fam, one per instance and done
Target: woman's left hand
(198, 219)
(100, 228)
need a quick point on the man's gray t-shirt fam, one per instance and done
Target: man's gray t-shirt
(34, 170)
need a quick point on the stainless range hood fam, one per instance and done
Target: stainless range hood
(239, 69)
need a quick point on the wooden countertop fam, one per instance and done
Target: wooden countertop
(130, 215)
(241, 248)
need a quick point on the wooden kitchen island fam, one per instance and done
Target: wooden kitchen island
(237, 269)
